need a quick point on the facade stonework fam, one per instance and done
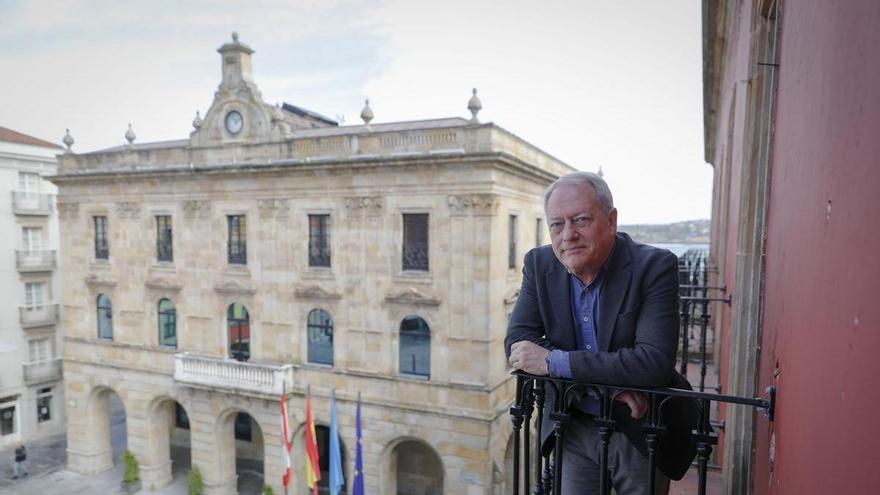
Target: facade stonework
(279, 168)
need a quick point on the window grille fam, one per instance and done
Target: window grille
(415, 241)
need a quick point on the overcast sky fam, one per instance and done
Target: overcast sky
(615, 84)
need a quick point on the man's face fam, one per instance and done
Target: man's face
(581, 231)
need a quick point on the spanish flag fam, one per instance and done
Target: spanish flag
(313, 468)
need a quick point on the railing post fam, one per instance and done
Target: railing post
(539, 410)
(606, 428)
(516, 416)
(528, 403)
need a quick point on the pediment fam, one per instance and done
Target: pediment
(96, 279)
(315, 292)
(163, 283)
(413, 296)
(234, 287)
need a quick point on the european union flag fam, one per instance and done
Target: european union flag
(358, 455)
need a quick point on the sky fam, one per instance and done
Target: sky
(594, 83)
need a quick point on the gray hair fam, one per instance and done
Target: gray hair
(595, 181)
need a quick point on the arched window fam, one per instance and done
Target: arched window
(238, 323)
(167, 323)
(105, 317)
(320, 332)
(415, 347)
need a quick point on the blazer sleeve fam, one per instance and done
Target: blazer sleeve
(648, 360)
(525, 322)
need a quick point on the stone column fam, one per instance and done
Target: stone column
(88, 429)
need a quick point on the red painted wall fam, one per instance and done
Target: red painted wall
(821, 319)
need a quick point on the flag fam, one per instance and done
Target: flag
(313, 468)
(337, 479)
(358, 454)
(285, 443)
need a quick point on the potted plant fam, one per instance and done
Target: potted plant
(195, 481)
(267, 490)
(130, 481)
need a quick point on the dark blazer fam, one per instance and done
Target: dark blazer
(637, 334)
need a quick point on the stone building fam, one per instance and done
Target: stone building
(31, 392)
(275, 251)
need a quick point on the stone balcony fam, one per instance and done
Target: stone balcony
(254, 379)
(26, 203)
(38, 316)
(43, 260)
(42, 371)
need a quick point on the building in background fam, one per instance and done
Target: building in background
(31, 391)
(274, 252)
(792, 115)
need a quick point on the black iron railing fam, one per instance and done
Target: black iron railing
(531, 392)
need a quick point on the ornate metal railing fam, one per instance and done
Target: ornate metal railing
(35, 260)
(531, 392)
(31, 203)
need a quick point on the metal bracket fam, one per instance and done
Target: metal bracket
(770, 410)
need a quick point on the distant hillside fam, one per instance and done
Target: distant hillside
(690, 231)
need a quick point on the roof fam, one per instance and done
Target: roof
(304, 112)
(311, 133)
(10, 136)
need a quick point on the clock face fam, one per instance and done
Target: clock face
(234, 122)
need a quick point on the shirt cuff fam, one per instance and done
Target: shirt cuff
(559, 364)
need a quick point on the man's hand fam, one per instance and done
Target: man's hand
(529, 357)
(637, 402)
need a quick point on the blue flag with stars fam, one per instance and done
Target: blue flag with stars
(358, 455)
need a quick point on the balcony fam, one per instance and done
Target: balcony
(27, 203)
(38, 316)
(42, 371)
(35, 260)
(263, 380)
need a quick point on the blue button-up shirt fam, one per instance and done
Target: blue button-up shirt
(585, 309)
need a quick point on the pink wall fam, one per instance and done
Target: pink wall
(822, 294)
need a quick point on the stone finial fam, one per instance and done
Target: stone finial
(277, 115)
(367, 113)
(197, 122)
(130, 135)
(600, 173)
(235, 37)
(67, 139)
(475, 105)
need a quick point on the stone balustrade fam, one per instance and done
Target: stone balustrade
(241, 377)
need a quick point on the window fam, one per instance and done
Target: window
(39, 350)
(44, 404)
(34, 296)
(319, 240)
(415, 241)
(511, 242)
(539, 232)
(167, 323)
(164, 246)
(237, 245)
(238, 323)
(415, 347)
(105, 317)
(8, 417)
(320, 332)
(31, 239)
(29, 183)
(102, 246)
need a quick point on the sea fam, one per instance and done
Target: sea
(679, 249)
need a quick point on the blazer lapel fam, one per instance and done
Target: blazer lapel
(559, 292)
(614, 290)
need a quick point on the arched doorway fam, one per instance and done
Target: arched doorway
(107, 428)
(168, 436)
(322, 438)
(414, 468)
(240, 447)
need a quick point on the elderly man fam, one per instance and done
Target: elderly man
(597, 307)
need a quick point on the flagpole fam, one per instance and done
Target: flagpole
(283, 434)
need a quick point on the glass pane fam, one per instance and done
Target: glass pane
(320, 336)
(415, 241)
(43, 408)
(7, 420)
(238, 324)
(415, 347)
